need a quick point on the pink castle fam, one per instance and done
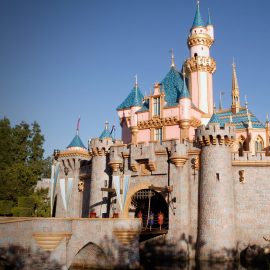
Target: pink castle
(183, 101)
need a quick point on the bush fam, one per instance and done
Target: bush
(5, 207)
(26, 202)
(22, 212)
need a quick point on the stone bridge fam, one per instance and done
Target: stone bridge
(74, 241)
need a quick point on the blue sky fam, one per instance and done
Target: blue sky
(61, 58)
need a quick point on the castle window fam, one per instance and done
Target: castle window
(195, 55)
(217, 177)
(158, 134)
(259, 144)
(157, 106)
(241, 176)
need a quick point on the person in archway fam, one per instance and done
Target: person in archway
(140, 215)
(160, 219)
(151, 220)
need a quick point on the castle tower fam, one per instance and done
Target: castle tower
(235, 91)
(201, 66)
(216, 191)
(68, 188)
(99, 148)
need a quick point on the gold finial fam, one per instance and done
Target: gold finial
(184, 73)
(267, 118)
(214, 108)
(136, 81)
(172, 58)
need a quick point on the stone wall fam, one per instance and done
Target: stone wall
(252, 205)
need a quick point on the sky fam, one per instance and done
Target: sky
(61, 59)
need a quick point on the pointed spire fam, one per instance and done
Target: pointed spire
(198, 21)
(78, 126)
(136, 81)
(221, 93)
(246, 102)
(209, 22)
(184, 92)
(235, 90)
(234, 78)
(172, 58)
(106, 133)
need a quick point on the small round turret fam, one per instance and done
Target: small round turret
(216, 192)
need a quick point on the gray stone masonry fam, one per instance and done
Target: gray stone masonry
(216, 231)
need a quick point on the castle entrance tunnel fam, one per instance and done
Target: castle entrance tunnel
(152, 207)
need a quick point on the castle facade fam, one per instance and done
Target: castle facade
(189, 170)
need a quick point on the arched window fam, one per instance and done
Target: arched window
(259, 144)
(241, 145)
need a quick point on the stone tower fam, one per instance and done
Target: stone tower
(100, 174)
(201, 66)
(68, 185)
(216, 225)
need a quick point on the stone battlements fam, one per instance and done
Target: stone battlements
(247, 156)
(215, 134)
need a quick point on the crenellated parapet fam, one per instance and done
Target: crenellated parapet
(98, 147)
(214, 134)
(247, 159)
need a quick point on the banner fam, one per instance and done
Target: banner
(125, 188)
(69, 189)
(63, 192)
(116, 182)
(54, 177)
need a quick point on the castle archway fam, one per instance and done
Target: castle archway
(90, 256)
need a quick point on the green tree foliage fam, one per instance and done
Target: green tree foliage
(21, 160)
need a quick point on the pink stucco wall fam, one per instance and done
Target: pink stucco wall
(170, 112)
(172, 132)
(144, 135)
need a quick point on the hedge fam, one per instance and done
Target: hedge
(5, 207)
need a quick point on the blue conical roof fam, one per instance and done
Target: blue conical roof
(105, 133)
(214, 119)
(134, 98)
(76, 142)
(198, 21)
(209, 21)
(172, 85)
(184, 92)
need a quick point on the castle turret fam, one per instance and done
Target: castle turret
(201, 66)
(99, 148)
(68, 188)
(127, 113)
(216, 239)
(184, 111)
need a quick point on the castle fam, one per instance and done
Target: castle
(206, 170)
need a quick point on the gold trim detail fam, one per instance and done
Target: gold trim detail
(49, 241)
(200, 39)
(74, 152)
(134, 167)
(200, 63)
(251, 163)
(178, 161)
(125, 237)
(158, 122)
(115, 165)
(195, 122)
(152, 165)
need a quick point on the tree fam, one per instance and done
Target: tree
(21, 160)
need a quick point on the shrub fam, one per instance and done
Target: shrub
(5, 207)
